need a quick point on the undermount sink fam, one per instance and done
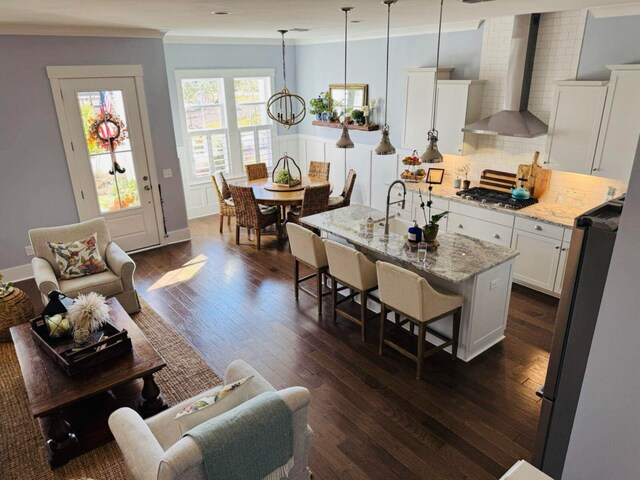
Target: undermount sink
(397, 226)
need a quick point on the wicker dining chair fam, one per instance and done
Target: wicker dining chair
(256, 171)
(319, 169)
(315, 200)
(344, 200)
(251, 215)
(227, 208)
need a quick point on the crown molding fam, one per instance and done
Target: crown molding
(209, 40)
(73, 31)
(621, 10)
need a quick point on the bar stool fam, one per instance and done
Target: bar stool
(308, 248)
(356, 272)
(410, 295)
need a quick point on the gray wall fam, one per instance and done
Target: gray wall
(605, 441)
(35, 187)
(322, 64)
(608, 41)
(208, 56)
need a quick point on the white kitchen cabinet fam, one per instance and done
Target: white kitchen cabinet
(458, 104)
(574, 126)
(337, 172)
(562, 266)
(480, 229)
(419, 104)
(537, 264)
(620, 124)
(384, 168)
(359, 159)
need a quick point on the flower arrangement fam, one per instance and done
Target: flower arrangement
(431, 226)
(5, 287)
(87, 314)
(107, 130)
(463, 170)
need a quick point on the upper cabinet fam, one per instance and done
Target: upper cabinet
(419, 105)
(620, 124)
(458, 103)
(574, 125)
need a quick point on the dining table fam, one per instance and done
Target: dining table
(269, 193)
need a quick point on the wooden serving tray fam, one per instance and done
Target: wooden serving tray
(106, 343)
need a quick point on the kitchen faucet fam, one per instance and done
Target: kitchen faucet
(385, 238)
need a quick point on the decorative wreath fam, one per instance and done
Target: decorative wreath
(107, 130)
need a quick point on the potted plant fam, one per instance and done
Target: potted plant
(463, 171)
(357, 116)
(5, 288)
(321, 107)
(431, 227)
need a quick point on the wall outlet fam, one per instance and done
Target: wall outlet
(29, 250)
(167, 173)
(493, 285)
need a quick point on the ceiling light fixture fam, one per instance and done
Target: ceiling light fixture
(432, 154)
(290, 109)
(385, 147)
(345, 140)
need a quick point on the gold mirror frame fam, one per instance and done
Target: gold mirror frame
(338, 99)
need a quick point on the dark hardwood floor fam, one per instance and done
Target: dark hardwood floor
(371, 417)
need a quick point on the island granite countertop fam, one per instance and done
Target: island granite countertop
(457, 259)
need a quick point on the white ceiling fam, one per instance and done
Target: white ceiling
(261, 18)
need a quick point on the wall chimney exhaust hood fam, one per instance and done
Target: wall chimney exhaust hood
(515, 120)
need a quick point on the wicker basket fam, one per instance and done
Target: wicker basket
(15, 308)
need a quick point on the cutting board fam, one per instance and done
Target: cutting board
(499, 181)
(538, 178)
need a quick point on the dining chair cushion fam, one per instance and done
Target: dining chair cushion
(229, 201)
(411, 294)
(307, 246)
(336, 201)
(350, 266)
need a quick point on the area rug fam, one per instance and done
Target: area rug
(22, 451)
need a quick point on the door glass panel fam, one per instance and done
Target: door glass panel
(107, 140)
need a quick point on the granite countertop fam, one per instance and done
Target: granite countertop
(457, 259)
(547, 212)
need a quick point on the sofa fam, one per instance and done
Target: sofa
(155, 449)
(117, 282)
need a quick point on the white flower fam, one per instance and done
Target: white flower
(88, 311)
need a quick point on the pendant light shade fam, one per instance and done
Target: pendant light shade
(345, 140)
(432, 154)
(385, 147)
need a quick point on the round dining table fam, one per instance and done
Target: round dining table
(268, 193)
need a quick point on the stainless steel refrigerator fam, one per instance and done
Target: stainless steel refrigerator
(592, 241)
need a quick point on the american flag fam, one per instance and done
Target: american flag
(105, 102)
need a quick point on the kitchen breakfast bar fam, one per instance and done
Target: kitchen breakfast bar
(479, 271)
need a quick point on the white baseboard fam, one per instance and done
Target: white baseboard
(177, 236)
(15, 274)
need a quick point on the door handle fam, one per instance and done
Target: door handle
(147, 187)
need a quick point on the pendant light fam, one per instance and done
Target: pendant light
(432, 154)
(285, 107)
(385, 147)
(345, 140)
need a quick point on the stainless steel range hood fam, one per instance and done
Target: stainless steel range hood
(515, 120)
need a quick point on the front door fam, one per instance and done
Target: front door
(109, 164)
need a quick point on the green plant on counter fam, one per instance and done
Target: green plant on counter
(320, 104)
(5, 288)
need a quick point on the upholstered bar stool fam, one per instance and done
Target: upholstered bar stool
(410, 295)
(354, 271)
(308, 248)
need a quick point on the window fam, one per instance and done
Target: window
(224, 132)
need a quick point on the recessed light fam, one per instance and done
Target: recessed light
(356, 21)
(219, 13)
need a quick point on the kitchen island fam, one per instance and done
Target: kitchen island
(479, 271)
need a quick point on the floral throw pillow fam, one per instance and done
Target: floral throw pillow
(79, 258)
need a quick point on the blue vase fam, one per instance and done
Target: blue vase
(326, 117)
(318, 116)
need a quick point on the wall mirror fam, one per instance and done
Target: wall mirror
(356, 95)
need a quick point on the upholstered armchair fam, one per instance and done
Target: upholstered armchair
(116, 282)
(155, 449)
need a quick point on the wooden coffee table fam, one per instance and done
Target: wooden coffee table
(73, 411)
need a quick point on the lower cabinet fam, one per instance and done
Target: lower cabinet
(562, 265)
(537, 264)
(480, 229)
